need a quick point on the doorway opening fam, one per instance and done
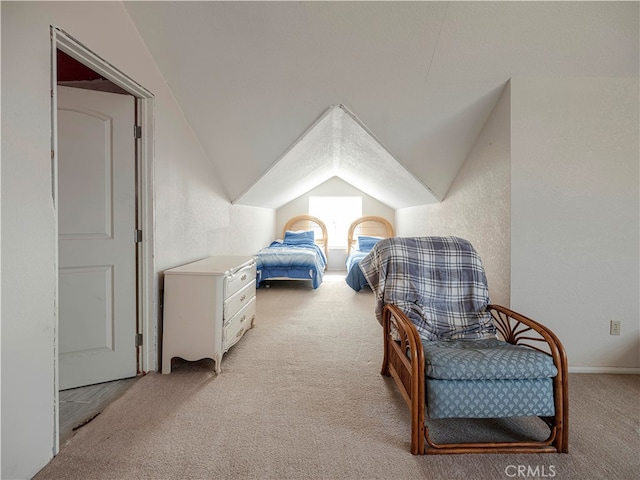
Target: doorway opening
(96, 181)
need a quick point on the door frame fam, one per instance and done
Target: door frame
(145, 102)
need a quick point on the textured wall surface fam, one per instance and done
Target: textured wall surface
(476, 206)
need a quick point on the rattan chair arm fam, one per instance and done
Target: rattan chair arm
(510, 325)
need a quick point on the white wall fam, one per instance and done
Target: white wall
(476, 207)
(193, 218)
(575, 214)
(332, 187)
(569, 204)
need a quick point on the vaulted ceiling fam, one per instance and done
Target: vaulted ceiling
(337, 146)
(283, 94)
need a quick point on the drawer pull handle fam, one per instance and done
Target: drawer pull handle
(243, 277)
(244, 317)
(242, 298)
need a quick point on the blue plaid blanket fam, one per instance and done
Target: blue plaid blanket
(438, 282)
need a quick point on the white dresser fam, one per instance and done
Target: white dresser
(208, 305)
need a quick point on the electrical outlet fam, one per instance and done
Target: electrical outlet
(614, 327)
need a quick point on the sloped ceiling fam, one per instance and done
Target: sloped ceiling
(255, 80)
(337, 146)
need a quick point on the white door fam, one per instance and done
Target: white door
(96, 225)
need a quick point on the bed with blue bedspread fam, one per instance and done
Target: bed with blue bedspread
(300, 255)
(363, 234)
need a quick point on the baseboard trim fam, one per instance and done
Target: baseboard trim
(612, 370)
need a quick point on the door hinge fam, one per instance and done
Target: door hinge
(137, 131)
(138, 236)
(138, 339)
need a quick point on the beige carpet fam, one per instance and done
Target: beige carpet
(301, 397)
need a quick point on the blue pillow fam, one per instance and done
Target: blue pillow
(299, 238)
(365, 244)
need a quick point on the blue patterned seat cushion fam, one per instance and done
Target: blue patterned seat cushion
(483, 359)
(490, 398)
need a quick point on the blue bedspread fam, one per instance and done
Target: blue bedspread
(355, 278)
(280, 260)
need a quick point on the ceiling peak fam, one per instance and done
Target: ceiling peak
(337, 144)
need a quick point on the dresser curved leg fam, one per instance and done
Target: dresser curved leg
(217, 359)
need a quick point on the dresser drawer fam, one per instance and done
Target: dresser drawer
(238, 300)
(238, 324)
(237, 280)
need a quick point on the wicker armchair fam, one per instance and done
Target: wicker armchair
(498, 364)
